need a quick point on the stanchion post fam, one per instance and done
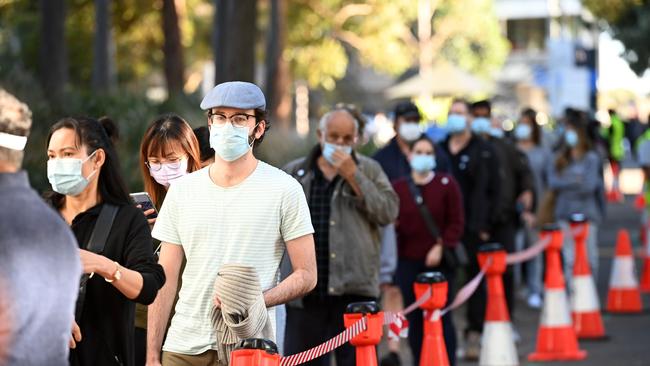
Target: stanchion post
(366, 342)
(434, 351)
(255, 352)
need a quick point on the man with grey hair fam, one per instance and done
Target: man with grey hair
(350, 198)
(39, 257)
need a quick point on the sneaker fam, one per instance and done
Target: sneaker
(391, 359)
(534, 301)
(472, 346)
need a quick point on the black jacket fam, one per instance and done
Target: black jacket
(396, 166)
(107, 319)
(473, 168)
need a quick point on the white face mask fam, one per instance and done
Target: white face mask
(230, 142)
(66, 177)
(409, 131)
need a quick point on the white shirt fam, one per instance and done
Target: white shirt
(244, 224)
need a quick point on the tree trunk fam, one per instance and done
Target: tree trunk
(278, 79)
(53, 57)
(172, 49)
(104, 77)
(235, 33)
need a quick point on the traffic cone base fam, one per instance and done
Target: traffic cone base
(498, 345)
(562, 345)
(556, 339)
(586, 308)
(624, 301)
(624, 295)
(645, 275)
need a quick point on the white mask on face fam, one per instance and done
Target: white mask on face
(230, 142)
(409, 131)
(66, 177)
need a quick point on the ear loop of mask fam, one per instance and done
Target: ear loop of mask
(94, 171)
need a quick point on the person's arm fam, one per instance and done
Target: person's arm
(302, 255)
(379, 200)
(171, 258)
(141, 276)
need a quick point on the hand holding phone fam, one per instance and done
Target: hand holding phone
(143, 200)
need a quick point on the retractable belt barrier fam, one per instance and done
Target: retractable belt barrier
(396, 322)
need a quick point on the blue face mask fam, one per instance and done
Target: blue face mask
(481, 125)
(495, 132)
(523, 131)
(329, 148)
(571, 138)
(229, 142)
(66, 177)
(423, 163)
(456, 123)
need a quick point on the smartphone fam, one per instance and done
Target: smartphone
(145, 202)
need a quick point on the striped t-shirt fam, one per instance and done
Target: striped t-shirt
(244, 224)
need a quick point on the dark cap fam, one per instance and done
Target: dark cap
(407, 110)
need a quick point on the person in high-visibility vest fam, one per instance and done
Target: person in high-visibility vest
(614, 135)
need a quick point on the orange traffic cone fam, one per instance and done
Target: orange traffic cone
(255, 352)
(556, 338)
(585, 306)
(645, 275)
(615, 195)
(434, 350)
(498, 343)
(624, 295)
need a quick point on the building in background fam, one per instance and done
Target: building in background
(552, 64)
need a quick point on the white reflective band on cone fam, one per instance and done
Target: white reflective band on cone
(498, 345)
(13, 142)
(623, 273)
(584, 296)
(555, 312)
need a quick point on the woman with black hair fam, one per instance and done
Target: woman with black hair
(84, 173)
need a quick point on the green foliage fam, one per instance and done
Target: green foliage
(322, 33)
(629, 22)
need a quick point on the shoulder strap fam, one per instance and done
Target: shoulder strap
(424, 211)
(102, 228)
(96, 244)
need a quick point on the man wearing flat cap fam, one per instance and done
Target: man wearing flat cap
(237, 210)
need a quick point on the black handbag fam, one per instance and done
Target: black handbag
(96, 245)
(453, 257)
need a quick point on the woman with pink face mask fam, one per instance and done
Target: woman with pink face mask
(169, 150)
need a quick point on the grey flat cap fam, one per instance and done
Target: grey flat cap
(235, 94)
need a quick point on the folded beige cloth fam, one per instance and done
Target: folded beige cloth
(243, 312)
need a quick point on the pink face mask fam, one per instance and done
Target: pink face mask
(169, 172)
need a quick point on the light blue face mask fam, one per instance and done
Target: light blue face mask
(456, 123)
(329, 148)
(495, 132)
(66, 177)
(481, 125)
(571, 138)
(423, 163)
(229, 142)
(523, 131)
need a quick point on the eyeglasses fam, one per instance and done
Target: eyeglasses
(238, 120)
(173, 163)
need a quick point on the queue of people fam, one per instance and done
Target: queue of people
(315, 233)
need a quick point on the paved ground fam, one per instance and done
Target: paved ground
(629, 336)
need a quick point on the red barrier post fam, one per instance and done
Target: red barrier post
(366, 342)
(434, 351)
(255, 352)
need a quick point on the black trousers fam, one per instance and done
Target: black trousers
(475, 314)
(407, 271)
(320, 319)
